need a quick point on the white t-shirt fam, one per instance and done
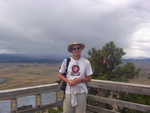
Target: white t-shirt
(77, 69)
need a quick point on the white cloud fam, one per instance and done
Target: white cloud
(140, 42)
(46, 27)
(5, 51)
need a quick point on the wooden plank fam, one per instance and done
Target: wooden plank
(109, 85)
(19, 92)
(13, 104)
(38, 109)
(41, 108)
(121, 87)
(120, 103)
(38, 100)
(24, 107)
(98, 109)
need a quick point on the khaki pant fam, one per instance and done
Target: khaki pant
(80, 108)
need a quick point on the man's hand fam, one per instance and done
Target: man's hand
(86, 79)
(78, 80)
(74, 81)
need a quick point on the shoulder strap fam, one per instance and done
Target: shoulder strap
(67, 64)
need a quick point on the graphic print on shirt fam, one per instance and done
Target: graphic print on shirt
(75, 70)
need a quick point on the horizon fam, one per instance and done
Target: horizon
(55, 56)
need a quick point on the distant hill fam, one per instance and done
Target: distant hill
(137, 59)
(19, 58)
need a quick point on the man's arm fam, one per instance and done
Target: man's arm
(75, 81)
(61, 76)
(87, 79)
(79, 80)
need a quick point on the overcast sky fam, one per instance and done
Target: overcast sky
(45, 27)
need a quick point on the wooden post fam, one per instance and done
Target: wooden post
(14, 105)
(46, 111)
(38, 100)
(57, 100)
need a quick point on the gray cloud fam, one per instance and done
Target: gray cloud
(46, 27)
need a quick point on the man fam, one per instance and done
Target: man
(78, 74)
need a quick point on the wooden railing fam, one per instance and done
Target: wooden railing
(117, 87)
(36, 92)
(14, 95)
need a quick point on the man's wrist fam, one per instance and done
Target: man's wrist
(79, 80)
(83, 80)
(67, 81)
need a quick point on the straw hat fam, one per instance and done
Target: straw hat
(75, 43)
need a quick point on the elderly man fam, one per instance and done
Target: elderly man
(78, 74)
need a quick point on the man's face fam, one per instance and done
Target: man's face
(76, 50)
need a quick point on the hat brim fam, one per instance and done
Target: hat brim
(71, 46)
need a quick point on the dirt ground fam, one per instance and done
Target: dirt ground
(16, 75)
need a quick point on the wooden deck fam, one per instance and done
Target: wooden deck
(117, 87)
(99, 85)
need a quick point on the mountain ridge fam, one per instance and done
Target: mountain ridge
(21, 58)
(16, 58)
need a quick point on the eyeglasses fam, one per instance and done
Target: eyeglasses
(78, 48)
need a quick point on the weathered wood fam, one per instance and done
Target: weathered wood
(20, 92)
(37, 109)
(120, 103)
(57, 101)
(24, 107)
(13, 104)
(38, 100)
(121, 87)
(96, 109)
(109, 85)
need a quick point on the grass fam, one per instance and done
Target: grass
(23, 75)
(30, 74)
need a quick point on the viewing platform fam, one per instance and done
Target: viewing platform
(102, 98)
